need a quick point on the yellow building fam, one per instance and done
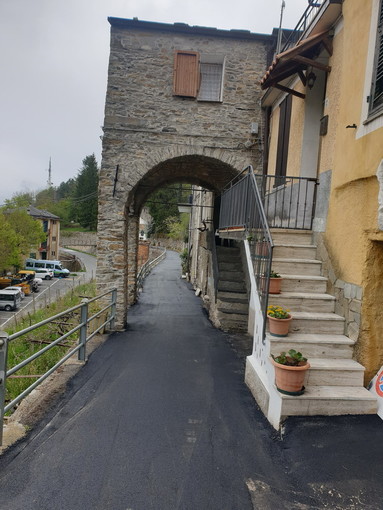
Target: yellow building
(49, 249)
(324, 102)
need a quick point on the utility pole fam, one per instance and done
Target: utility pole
(279, 40)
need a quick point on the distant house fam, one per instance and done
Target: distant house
(49, 249)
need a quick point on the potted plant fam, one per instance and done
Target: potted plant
(290, 370)
(279, 320)
(275, 283)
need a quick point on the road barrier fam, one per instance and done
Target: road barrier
(147, 267)
(84, 331)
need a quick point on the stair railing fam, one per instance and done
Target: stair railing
(242, 211)
(252, 203)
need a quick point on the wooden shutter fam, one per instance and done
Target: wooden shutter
(376, 100)
(186, 73)
(283, 138)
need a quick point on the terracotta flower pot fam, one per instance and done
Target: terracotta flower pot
(279, 327)
(289, 380)
(275, 285)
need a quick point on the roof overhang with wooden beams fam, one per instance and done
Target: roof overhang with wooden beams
(298, 60)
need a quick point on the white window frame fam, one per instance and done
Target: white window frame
(215, 59)
(370, 121)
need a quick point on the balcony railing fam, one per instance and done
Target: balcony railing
(302, 25)
(289, 202)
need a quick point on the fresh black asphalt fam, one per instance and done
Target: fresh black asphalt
(160, 418)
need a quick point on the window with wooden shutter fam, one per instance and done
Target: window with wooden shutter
(376, 98)
(186, 73)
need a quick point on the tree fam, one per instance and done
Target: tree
(8, 243)
(19, 200)
(85, 197)
(19, 234)
(163, 204)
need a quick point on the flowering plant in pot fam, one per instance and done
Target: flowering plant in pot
(279, 320)
(275, 283)
(290, 370)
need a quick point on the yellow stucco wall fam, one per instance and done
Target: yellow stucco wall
(353, 200)
(352, 237)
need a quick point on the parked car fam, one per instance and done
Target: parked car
(19, 289)
(9, 299)
(44, 274)
(29, 277)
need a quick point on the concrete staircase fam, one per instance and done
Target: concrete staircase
(232, 300)
(334, 383)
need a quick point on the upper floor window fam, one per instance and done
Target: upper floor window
(198, 76)
(376, 97)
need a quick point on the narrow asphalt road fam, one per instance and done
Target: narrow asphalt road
(160, 419)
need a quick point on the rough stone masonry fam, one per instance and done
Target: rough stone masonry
(153, 137)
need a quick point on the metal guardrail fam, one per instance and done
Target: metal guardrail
(147, 267)
(303, 24)
(83, 338)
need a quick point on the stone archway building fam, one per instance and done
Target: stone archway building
(182, 104)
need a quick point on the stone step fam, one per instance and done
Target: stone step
(313, 345)
(319, 323)
(233, 325)
(237, 297)
(337, 372)
(284, 236)
(233, 307)
(304, 283)
(229, 286)
(231, 276)
(329, 401)
(230, 266)
(304, 301)
(297, 266)
(225, 251)
(296, 251)
(232, 315)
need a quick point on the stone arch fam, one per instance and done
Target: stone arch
(119, 214)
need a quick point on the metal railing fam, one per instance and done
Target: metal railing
(242, 208)
(303, 24)
(253, 203)
(82, 330)
(147, 267)
(289, 202)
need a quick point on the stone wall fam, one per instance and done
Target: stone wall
(169, 244)
(152, 138)
(83, 241)
(348, 295)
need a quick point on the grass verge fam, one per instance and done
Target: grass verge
(32, 342)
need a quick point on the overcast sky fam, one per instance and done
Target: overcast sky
(54, 58)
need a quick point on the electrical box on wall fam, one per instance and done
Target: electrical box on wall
(254, 128)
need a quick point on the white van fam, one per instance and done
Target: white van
(51, 265)
(9, 299)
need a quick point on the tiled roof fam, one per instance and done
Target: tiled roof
(41, 213)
